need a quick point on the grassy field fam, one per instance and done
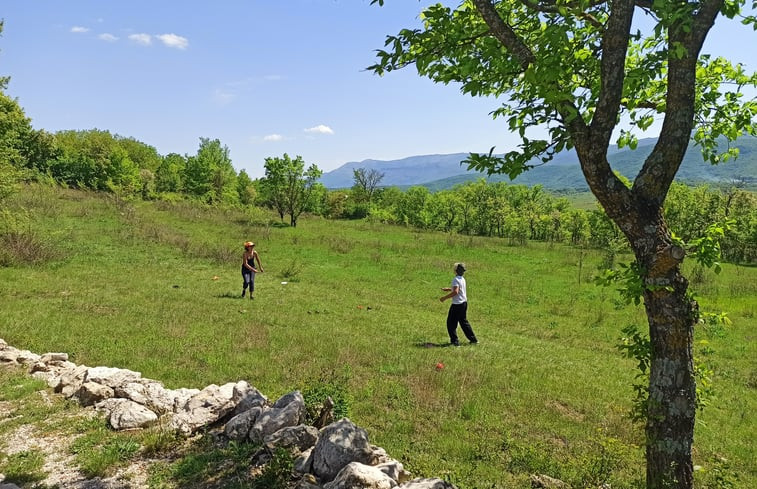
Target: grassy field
(154, 287)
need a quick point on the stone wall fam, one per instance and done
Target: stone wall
(331, 455)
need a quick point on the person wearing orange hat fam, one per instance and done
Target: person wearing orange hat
(248, 267)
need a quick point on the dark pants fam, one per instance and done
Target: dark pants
(458, 313)
(248, 278)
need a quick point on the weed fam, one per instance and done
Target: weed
(291, 271)
(20, 244)
(340, 245)
(159, 440)
(329, 384)
(23, 467)
(277, 473)
(225, 465)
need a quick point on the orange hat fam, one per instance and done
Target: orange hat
(248, 244)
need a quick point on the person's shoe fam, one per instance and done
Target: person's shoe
(474, 342)
(455, 344)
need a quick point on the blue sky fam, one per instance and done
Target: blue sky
(264, 77)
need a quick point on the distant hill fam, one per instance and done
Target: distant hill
(438, 172)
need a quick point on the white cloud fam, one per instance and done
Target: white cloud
(143, 39)
(223, 97)
(79, 29)
(273, 137)
(320, 129)
(174, 41)
(107, 37)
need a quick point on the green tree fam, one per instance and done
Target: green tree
(578, 68)
(288, 186)
(8, 180)
(209, 175)
(90, 159)
(3, 79)
(13, 127)
(245, 188)
(168, 176)
(143, 155)
(366, 184)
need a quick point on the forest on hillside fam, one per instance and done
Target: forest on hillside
(98, 160)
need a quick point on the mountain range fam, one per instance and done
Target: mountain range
(443, 171)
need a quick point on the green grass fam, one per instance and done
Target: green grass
(154, 288)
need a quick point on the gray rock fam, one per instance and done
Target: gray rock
(8, 355)
(247, 397)
(357, 475)
(54, 358)
(112, 377)
(395, 470)
(204, 408)
(424, 483)
(70, 380)
(124, 414)
(286, 399)
(339, 444)
(25, 357)
(274, 419)
(303, 464)
(295, 438)
(547, 482)
(238, 427)
(91, 393)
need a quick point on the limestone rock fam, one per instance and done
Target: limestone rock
(274, 419)
(303, 464)
(357, 475)
(547, 482)
(339, 444)
(91, 393)
(112, 377)
(70, 380)
(247, 397)
(238, 427)
(204, 408)
(123, 414)
(295, 438)
(426, 483)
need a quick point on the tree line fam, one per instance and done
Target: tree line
(98, 160)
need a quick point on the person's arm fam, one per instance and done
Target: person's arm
(453, 292)
(260, 266)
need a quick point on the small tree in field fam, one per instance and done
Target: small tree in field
(288, 186)
(578, 68)
(366, 183)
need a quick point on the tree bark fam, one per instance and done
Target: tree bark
(671, 315)
(671, 408)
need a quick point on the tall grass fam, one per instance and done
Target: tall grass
(154, 288)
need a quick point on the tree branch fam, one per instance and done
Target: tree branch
(551, 7)
(614, 48)
(657, 174)
(504, 33)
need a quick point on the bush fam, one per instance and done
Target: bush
(328, 384)
(19, 243)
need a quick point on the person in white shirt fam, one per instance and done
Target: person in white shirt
(458, 310)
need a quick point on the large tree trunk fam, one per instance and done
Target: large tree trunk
(671, 314)
(671, 408)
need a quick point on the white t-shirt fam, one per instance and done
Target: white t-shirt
(459, 282)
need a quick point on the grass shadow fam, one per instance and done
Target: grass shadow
(428, 344)
(229, 295)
